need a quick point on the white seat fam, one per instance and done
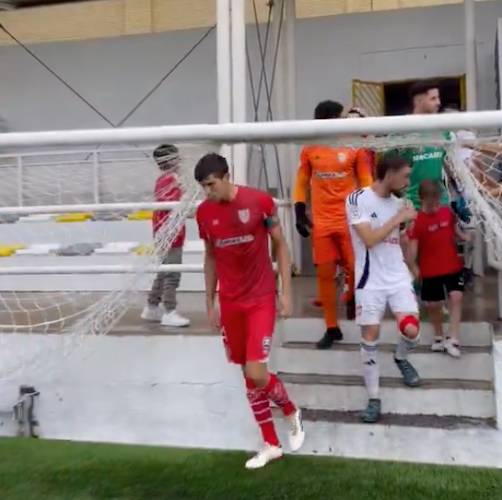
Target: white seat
(40, 249)
(37, 218)
(117, 247)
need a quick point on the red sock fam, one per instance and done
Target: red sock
(276, 392)
(260, 406)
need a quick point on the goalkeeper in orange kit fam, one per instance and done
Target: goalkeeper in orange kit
(327, 175)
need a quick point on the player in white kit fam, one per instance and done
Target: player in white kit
(375, 216)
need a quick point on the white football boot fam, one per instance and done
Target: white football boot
(296, 432)
(267, 454)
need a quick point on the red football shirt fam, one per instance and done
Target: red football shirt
(437, 250)
(167, 188)
(239, 237)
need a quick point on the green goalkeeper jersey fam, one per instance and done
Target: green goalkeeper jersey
(427, 162)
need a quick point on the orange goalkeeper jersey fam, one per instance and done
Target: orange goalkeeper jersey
(328, 175)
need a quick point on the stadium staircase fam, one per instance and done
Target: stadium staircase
(455, 393)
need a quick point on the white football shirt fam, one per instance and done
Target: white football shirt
(381, 267)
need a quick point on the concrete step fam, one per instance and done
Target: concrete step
(439, 397)
(311, 329)
(450, 422)
(451, 441)
(383, 347)
(344, 359)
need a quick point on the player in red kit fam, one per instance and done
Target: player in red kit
(235, 223)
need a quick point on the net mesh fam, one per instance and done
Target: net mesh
(69, 317)
(68, 314)
(477, 167)
(473, 171)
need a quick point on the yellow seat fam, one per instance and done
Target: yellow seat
(8, 250)
(141, 215)
(144, 250)
(74, 217)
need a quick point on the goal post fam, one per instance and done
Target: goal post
(56, 199)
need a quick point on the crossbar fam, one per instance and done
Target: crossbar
(260, 132)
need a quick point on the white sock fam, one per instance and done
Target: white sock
(369, 356)
(404, 346)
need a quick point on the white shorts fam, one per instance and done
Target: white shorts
(371, 304)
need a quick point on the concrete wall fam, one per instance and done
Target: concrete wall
(175, 390)
(390, 46)
(115, 73)
(179, 391)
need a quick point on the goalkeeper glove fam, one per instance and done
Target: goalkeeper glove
(460, 207)
(303, 223)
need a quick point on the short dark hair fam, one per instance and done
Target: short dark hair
(422, 87)
(326, 110)
(211, 164)
(390, 163)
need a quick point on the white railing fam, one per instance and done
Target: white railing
(54, 168)
(82, 176)
(85, 176)
(101, 269)
(100, 207)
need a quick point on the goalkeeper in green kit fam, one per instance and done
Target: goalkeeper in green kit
(427, 162)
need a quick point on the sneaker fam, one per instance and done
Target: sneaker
(296, 433)
(152, 313)
(373, 411)
(264, 456)
(172, 318)
(437, 345)
(410, 375)
(332, 335)
(452, 348)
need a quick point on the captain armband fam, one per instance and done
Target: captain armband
(271, 221)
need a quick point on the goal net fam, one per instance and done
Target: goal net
(72, 217)
(73, 214)
(472, 174)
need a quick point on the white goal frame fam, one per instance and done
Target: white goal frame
(295, 131)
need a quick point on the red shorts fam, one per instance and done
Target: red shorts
(247, 329)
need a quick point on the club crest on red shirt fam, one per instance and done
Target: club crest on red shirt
(244, 215)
